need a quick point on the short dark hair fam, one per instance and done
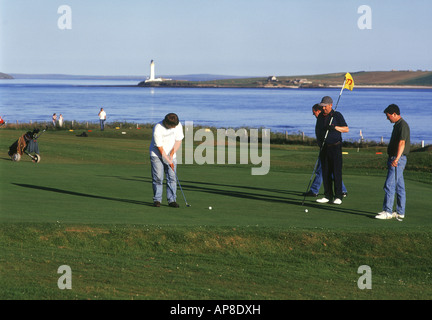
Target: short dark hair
(171, 120)
(393, 108)
(316, 107)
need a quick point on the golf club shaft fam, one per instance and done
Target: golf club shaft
(37, 136)
(181, 189)
(310, 181)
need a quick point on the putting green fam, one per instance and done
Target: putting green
(88, 204)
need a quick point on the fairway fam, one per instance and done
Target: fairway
(88, 205)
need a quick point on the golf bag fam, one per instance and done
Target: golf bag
(27, 144)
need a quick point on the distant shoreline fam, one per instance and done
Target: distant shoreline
(395, 79)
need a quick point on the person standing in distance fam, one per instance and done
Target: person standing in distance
(102, 118)
(316, 184)
(54, 119)
(331, 149)
(167, 139)
(397, 150)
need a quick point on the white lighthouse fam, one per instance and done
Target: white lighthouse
(152, 74)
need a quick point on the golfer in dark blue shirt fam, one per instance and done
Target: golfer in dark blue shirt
(329, 128)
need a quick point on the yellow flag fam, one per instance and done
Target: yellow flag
(349, 82)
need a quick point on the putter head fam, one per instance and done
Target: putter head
(188, 205)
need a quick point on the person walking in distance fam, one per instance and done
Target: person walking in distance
(166, 140)
(54, 119)
(397, 150)
(102, 118)
(316, 184)
(328, 129)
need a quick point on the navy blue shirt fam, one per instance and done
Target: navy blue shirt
(321, 126)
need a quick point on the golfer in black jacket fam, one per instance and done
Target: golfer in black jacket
(331, 150)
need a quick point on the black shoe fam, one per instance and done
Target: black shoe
(156, 204)
(310, 194)
(173, 204)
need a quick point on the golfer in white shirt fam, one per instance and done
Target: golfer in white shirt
(166, 140)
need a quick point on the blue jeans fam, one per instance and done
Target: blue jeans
(102, 124)
(395, 174)
(158, 167)
(316, 184)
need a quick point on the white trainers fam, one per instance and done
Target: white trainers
(399, 217)
(337, 201)
(384, 215)
(322, 200)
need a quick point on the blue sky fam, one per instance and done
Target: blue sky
(226, 37)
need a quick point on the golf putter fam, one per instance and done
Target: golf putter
(181, 189)
(310, 181)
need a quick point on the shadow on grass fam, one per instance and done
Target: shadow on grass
(256, 193)
(80, 194)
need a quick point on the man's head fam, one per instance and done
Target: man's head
(316, 110)
(171, 121)
(393, 113)
(326, 104)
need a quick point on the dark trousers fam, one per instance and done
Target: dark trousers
(331, 163)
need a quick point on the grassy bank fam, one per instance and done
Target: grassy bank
(173, 262)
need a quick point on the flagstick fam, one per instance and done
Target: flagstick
(343, 86)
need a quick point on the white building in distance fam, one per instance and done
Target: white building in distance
(152, 74)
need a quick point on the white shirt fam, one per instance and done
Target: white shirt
(165, 138)
(102, 115)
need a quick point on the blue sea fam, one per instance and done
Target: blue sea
(281, 110)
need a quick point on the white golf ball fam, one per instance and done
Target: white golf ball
(210, 208)
(306, 210)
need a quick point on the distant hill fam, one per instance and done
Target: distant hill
(372, 78)
(378, 78)
(5, 76)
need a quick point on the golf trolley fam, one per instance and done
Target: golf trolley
(27, 144)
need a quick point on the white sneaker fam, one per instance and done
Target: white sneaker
(337, 201)
(322, 200)
(384, 215)
(399, 217)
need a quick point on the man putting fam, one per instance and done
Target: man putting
(166, 140)
(397, 150)
(328, 129)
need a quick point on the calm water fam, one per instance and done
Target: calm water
(282, 110)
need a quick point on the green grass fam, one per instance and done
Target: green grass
(87, 204)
